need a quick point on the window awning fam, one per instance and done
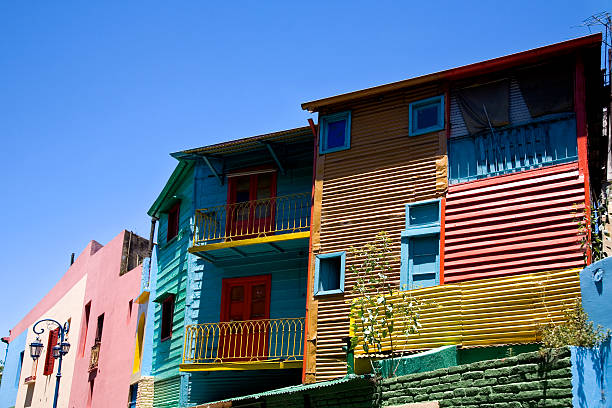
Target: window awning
(163, 296)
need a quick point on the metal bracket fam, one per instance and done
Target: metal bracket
(274, 156)
(212, 169)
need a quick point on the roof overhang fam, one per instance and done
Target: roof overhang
(466, 71)
(161, 202)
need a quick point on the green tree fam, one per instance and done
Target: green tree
(377, 303)
(575, 330)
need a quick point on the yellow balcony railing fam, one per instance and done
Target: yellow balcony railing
(94, 357)
(252, 219)
(494, 311)
(244, 341)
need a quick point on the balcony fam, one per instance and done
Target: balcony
(541, 142)
(244, 345)
(94, 357)
(269, 220)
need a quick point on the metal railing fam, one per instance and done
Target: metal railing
(244, 341)
(94, 357)
(541, 142)
(250, 219)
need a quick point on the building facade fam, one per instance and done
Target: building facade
(232, 264)
(477, 173)
(95, 299)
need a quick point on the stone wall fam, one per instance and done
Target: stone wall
(144, 398)
(527, 380)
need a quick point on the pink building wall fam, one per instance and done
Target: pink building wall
(76, 271)
(112, 294)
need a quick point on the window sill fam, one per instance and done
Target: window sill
(425, 131)
(166, 338)
(329, 292)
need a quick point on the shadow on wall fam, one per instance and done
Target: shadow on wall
(591, 375)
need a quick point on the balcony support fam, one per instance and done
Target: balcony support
(212, 170)
(275, 157)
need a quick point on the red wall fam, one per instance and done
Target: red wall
(516, 223)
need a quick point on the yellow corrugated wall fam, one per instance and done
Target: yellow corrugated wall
(506, 310)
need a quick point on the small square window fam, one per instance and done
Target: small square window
(426, 116)
(329, 273)
(423, 214)
(335, 132)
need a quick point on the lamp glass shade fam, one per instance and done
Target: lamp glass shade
(65, 347)
(56, 351)
(36, 348)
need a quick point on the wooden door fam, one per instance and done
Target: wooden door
(251, 206)
(245, 313)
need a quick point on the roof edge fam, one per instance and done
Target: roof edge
(176, 175)
(464, 71)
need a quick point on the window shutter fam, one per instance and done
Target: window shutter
(49, 360)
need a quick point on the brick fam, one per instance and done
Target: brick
(559, 383)
(506, 388)
(458, 369)
(430, 381)
(510, 379)
(558, 392)
(472, 375)
(485, 381)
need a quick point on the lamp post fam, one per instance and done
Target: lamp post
(59, 351)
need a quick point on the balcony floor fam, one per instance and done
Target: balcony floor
(242, 248)
(242, 365)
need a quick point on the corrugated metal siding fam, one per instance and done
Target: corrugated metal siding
(365, 190)
(512, 224)
(507, 310)
(166, 393)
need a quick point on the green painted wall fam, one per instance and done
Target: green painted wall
(172, 277)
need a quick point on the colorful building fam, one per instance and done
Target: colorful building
(95, 298)
(234, 227)
(482, 178)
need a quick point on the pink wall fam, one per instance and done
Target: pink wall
(70, 278)
(110, 294)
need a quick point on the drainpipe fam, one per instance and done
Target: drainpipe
(151, 244)
(5, 340)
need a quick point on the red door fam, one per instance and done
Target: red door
(245, 314)
(251, 208)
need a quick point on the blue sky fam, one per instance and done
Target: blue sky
(95, 95)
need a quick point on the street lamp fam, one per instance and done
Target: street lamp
(59, 352)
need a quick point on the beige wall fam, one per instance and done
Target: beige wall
(68, 307)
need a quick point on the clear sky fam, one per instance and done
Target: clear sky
(94, 95)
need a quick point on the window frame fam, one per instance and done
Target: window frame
(342, 256)
(418, 231)
(49, 360)
(414, 106)
(324, 121)
(174, 214)
(169, 316)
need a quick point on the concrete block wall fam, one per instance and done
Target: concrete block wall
(144, 398)
(527, 380)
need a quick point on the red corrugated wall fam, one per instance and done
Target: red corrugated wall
(518, 223)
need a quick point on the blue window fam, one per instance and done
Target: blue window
(329, 273)
(19, 369)
(421, 245)
(426, 116)
(335, 132)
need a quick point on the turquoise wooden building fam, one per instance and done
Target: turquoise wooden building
(233, 245)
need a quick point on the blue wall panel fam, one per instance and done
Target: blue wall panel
(8, 388)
